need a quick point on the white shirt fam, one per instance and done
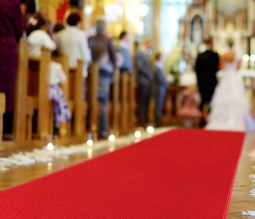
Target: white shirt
(124, 44)
(57, 75)
(73, 43)
(40, 39)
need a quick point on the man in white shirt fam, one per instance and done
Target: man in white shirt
(73, 42)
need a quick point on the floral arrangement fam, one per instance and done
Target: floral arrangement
(176, 74)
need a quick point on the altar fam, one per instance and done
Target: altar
(218, 20)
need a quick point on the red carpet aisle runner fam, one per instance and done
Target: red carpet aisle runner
(180, 174)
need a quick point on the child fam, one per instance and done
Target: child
(38, 37)
(160, 84)
(190, 105)
(57, 76)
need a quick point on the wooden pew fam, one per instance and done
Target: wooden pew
(115, 104)
(74, 93)
(2, 111)
(92, 98)
(38, 92)
(124, 117)
(132, 103)
(24, 108)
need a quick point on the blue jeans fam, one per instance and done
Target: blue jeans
(159, 105)
(103, 100)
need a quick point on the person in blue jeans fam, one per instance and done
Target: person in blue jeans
(103, 53)
(160, 86)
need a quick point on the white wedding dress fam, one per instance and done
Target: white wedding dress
(229, 107)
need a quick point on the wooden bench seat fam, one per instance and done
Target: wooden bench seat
(32, 94)
(74, 93)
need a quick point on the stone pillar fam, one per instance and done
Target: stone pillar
(157, 25)
(98, 10)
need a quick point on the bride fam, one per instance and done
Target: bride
(229, 107)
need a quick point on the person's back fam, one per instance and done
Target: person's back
(57, 75)
(206, 68)
(103, 52)
(73, 43)
(207, 65)
(11, 29)
(159, 88)
(231, 60)
(70, 43)
(11, 20)
(144, 68)
(56, 95)
(123, 49)
(229, 107)
(37, 40)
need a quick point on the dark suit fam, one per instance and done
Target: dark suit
(207, 64)
(144, 69)
(159, 86)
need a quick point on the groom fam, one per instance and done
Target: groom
(207, 65)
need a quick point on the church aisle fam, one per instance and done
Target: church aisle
(244, 168)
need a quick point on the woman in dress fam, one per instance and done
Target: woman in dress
(11, 29)
(229, 107)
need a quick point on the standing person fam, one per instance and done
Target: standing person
(229, 107)
(103, 52)
(207, 65)
(73, 42)
(56, 95)
(160, 85)
(144, 69)
(127, 65)
(11, 30)
(38, 37)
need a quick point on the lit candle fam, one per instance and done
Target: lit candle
(138, 134)
(150, 130)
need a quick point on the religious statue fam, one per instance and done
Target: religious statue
(197, 31)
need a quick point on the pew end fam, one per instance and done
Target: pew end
(38, 90)
(92, 99)
(2, 111)
(74, 93)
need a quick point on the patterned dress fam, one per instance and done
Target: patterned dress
(56, 95)
(11, 30)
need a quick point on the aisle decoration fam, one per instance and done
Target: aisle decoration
(51, 152)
